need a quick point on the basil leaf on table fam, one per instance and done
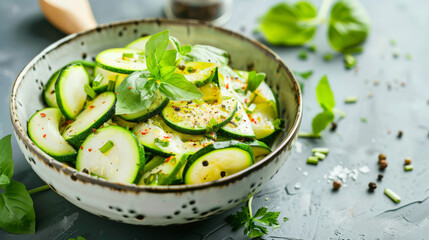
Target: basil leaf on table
(177, 88)
(135, 93)
(326, 100)
(321, 121)
(6, 161)
(254, 80)
(348, 25)
(16, 209)
(289, 24)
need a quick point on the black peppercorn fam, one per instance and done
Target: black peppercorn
(372, 186)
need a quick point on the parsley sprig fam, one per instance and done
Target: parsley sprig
(254, 225)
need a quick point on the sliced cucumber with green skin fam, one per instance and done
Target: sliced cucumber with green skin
(262, 119)
(70, 90)
(240, 126)
(269, 139)
(193, 117)
(218, 160)
(43, 129)
(120, 163)
(49, 90)
(264, 94)
(107, 76)
(92, 117)
(260, 149)
(117, 60)
(155, 108)
(200, 73)
(166, 173)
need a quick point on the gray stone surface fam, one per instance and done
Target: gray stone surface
(315, 212)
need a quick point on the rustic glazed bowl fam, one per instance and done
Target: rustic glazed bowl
(154, 205)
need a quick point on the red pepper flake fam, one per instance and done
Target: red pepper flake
(212, 134)
(94, 130)
(43, 115)
(245, 100)
(116, 92)
(167, 137)
(130, 87)
(227, 86)
(253, 121)
(145, 132)
(81, 148)
(91, 107)
(89, 149)
(44, 135)
(168, 159)
(103, 102)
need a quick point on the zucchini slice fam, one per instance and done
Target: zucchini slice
(49, 90)
(168, 172)
(139, 44)
(240, 126)
(106, 77)
(260, 150)
(92, 117)
(69, 89)
(120, 163)
(200, 73)
(43, 130)
(121, 60)
(264, 123)
(155, 108)
(218, 160)
(194, 117)
(264, 94)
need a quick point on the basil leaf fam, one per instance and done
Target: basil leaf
(325, 96)
(167, 71)
(168, 59)
(348, 25)
(6, 161)
(16, 209)
(161, 143)
(322, 120)
(349, 61)
(154, 50)
(4, 181)
(177, 88)
(254, 80)
(185, 49)
(289, 24)
(304, 75)
(135, 93)
(175, 42)
(204, 53)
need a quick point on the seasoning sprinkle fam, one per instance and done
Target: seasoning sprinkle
(400, 134)
(381, 156)
(383, 164)
(372, 186)
(336, 184)
(43, 114)
(392, 195)
(407, 161)
(380, 177)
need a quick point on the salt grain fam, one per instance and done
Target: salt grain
(298, 185)
(305, 173)
(298, 147)
(364, 169)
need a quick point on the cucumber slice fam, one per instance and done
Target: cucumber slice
(140, 44)
(264, 94)
(211, 92)
(107, 76)
(166, 173)
(240, 126)
(70, 91)
(200, 73)
(119, 164)
(260, 150)
(92, 117)
(49, 90)
(218, 160)
(121, 60)
(173, 142)
(193, 117)
(155, 108)
(43, 130)
(262, 120)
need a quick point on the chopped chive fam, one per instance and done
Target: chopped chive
(339, 112)
(97, 80)
(312, 48)
(351, 99)
(408, 168)
(349, 61)
(111, 85)
(251, 108)
(408, 56)
(128, 55)
(309, 135)
(302, 54)
(363, 120)
(393, 42)
(91, 93)
(320, 150)
(319, 155)
(392, 195)
(327, 57)
(106, 147)
(312, 160)
(127, 127)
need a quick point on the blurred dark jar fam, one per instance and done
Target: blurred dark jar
(215, 11)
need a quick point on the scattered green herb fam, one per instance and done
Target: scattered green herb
(161, 143)
(97, 80)
(408, 168)
(91, 93)
(106, 147)
(111, 85)
(254, 80)
(301, 76)
(320, 150)
(309, 135)
(302, 55)
(285, 219)
(313, 160)
(251, 108)
(396, 54)
(16, 206)
(351, 99)
(212, 126)
(254, 225)
(392, 195)
(127, 55)
(326, 100)
(39, 189)
(408, 56)
(319, 155)
(327, 57)
(349, 61)
(312, 48)
(363, 120)
(393, 42)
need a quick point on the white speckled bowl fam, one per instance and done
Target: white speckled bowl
(153, 205)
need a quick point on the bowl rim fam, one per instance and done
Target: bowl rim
(86, 178)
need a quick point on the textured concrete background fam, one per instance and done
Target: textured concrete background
(315, 212)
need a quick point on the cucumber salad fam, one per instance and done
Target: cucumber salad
(156, 112)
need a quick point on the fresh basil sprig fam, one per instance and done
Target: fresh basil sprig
(295, 24)
(137, 91)
(16, 206)
(326, 100)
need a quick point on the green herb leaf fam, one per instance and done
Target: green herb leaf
(289, 24)
(135, 93)
(204, 53)
(321, 121)
(16, 209)
(97, 80)
(177, 88)
(302, 55)
(107, 146)
(161, 143)
(212, 126)
(325, 96)
(175, 43)
(327, 57)
(6, 161)
(154, 51)
(254, 80)
(304, 75)
(185, 49)
(349, 61)
(348, 25)
(168, 59)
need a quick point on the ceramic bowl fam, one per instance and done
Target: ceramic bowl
(154, 205)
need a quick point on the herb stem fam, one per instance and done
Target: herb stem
(309, 135)
(323, 11)
(249, 205)
(392, 195)
(39, 189)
